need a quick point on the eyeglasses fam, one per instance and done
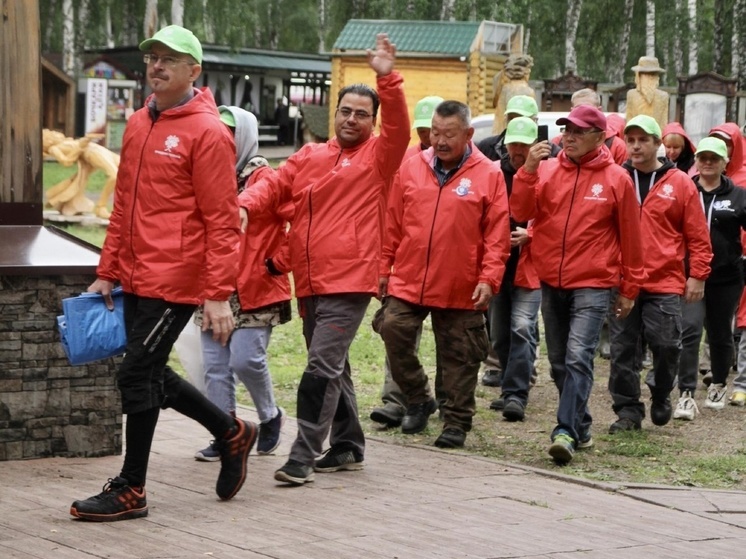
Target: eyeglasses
(167, 61)
(575, 132)
(706, 158)
(346, 112)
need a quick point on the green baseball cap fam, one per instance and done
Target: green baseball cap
(423, 111)
(713, 145)
(176, 38)
(521, 130)
(227, 116)
(522, 105)
(647, 123)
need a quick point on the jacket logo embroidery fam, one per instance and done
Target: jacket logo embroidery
(722, 206)
(667, 192)
(596, 190)
(463, 187)
(171, 143)
(345, 162)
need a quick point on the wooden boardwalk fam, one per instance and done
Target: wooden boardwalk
(410, 502)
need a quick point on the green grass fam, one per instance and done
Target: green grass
(54, 173)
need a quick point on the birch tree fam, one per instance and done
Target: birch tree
(678, 52)
(177, 12)
(718, 39)
(446, 12)
(68, 38)
(693, 45)
(617, 73)
(650, 28)
(573, 16)
(738, 61)
(322, 24)
(207, 24)
(151, 18)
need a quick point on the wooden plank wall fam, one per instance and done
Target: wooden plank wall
(20, 107)
(468, 81)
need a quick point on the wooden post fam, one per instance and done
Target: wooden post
(21, 196)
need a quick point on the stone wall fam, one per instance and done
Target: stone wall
(48, 407)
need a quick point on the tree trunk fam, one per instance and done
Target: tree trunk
(207, 24)
(68, 38)
(678, 53)
(177, 12)
(571, 26)
(150, 25)
(650, 28)
(446, 11)
(693, 39)
(738, 61)
(617, 75)
(718, 63)
(322, 25)
(107, 26)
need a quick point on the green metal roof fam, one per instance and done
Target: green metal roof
(440, 37)
(280, 61)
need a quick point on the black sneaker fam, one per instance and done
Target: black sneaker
(389, 415)
(337, 459)
(295, 473)
(415, 420)
(623, 424)
(492, 378)
(234, 452)
(498, 404)
(451, 437)
(117, 501)
(660, 412)
(514, 410)
(269, 434)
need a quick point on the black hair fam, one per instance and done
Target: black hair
(455, 108)
(364, 91)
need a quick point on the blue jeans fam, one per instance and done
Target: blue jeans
(657, 316)
(513, 314)
(245, 356)
(572, 325)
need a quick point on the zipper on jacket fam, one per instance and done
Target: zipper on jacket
(432, 229)
(134, 201)
(567, 222)
(310, 219)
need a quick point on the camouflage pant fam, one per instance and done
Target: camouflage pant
(461, 344)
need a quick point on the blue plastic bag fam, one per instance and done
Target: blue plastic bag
(89, 331)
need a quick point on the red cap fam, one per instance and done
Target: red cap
(584, 116)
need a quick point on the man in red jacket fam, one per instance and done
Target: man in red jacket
(674, 231)
(446, 242)
(172, 243)
(338, 190)
(586, 242)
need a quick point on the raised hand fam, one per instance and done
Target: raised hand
(381, 60)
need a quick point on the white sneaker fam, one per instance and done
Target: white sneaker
(715, 397)
(686, 408)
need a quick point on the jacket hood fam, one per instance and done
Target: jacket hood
(615, 126)
(597, 159)
(726, 185)
(676, 128)
(246, 136)
(737, 157)
(659, 173)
